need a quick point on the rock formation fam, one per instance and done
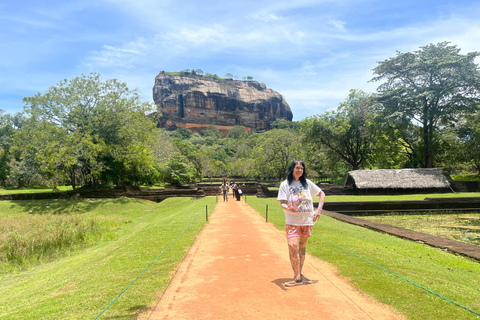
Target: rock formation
(193, 103)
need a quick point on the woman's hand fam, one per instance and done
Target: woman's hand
(317, 213)
(288, 208)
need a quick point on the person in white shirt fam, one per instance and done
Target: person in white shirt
(295, 195)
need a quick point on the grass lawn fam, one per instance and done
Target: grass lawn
(34, 190)
(360, 254)
(464, 227)
(60, 188)
(80, 282)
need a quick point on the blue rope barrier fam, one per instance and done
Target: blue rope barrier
(201, 211)
(413, 283)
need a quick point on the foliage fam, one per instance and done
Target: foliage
(91, 130)
(283, 124)
(238, 133)
(469, 133)
(8, 126)
(425, 90)
(274, 151)
(348, 132)
(467, 177)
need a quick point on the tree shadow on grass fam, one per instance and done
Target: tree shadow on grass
(136, 310)
(65, 206)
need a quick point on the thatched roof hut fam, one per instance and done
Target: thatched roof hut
(402, 180)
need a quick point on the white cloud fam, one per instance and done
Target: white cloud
(215, 35)
(310, 52)
(340, 25)
(263, 16)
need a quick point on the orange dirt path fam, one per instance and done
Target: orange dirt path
(236, 269)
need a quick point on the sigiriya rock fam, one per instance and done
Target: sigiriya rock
(193, 103)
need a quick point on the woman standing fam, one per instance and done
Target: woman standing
(295, 196)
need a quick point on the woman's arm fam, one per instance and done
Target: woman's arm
(284, 205)
(321, 201)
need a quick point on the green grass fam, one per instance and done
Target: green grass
(83, 281)
(31, 239)
(466, 177)
(342, 244)
(39, 189)
(464, 227)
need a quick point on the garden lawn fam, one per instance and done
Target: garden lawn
(34, 190)
(374, 263)
(463, 227)
(85, 281)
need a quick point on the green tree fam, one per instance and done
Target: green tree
(177, 170)
(190, 154)
(237, 133)
(6, 136)
(283, 124)
(274, 151)
(348, 132)
(181, 133)
(428, 88)
(469, 136)
(92, 129)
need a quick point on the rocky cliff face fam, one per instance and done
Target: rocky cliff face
(196, 102)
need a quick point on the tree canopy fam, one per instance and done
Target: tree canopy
(427, 88)
(347, 131)
(91, 130)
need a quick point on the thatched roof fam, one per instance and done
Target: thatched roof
(397, 179)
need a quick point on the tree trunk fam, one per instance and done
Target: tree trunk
(73, 180)
(427, 142)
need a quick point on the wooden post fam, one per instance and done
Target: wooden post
(266, 213)
(206, 211)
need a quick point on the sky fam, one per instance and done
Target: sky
(313, 52)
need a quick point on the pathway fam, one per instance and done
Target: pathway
(236, 269)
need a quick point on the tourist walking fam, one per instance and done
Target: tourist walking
(224, 188)
(234, 190)
(238, 192)
(296, 198)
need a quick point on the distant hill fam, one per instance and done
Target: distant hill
(195, 102)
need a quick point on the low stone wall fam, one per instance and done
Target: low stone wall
(429, 204)
(465, 186)
(152, 195)
(214, 190)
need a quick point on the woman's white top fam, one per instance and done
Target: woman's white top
(299, 199)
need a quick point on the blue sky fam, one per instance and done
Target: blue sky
(312, 52)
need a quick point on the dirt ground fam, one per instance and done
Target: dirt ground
(236, 269)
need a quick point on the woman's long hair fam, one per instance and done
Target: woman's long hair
(303, 177)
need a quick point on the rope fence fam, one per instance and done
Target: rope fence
(377, 266)
(161, 253)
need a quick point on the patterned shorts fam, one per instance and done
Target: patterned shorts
(296, 231)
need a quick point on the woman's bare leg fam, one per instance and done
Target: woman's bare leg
(295, 257)
(302, 250)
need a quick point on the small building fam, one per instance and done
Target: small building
(398, 181)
